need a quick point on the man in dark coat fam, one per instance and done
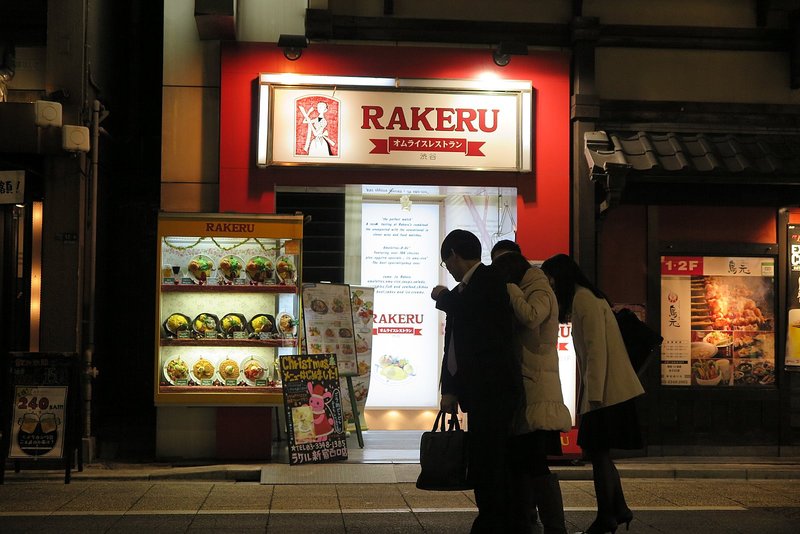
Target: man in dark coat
(479, 371)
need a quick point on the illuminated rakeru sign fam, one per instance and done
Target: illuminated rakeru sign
(448, 124)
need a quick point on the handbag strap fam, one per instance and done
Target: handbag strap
(452, 424)
(438, 422)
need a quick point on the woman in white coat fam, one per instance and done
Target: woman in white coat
(608, 386)
(537, 424)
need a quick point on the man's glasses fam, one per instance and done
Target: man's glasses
(443, 263)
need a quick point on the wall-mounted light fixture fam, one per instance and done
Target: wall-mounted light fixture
(292, 46)
(502, 54)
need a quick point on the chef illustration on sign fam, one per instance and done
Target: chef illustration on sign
(321, 126)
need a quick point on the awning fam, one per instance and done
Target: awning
(646, 167)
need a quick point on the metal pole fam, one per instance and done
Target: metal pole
(88, 355)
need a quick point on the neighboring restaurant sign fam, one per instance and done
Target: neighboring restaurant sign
(312, 400)
(37, 429)
(12, 187)
(445, 124)
(793, 300)
(717, 320)
(41, 384)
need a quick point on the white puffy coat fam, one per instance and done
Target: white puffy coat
(536, 343)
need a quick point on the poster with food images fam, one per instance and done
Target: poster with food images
(328, 323)
(718, 321)
(362, 300)
(793, 300)
(313, 407)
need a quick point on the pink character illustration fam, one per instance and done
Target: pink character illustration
(323, 424)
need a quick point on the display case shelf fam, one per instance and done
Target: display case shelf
(238, 390)
(218, 289)
(279, 342)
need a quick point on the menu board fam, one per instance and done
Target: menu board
(328, 321)
(793, 300)
(312, 400)
(362, 299)
(717, 320)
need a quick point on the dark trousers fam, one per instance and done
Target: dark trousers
(488, 442)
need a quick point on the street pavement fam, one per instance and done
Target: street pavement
(674, 495)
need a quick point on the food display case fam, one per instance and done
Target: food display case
(228, 307)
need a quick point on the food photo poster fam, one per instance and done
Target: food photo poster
(328, 322)
(363, 302)
(793, 301)
(717, 320)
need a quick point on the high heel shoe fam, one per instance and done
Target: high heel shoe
(601, 527)
(625, 517)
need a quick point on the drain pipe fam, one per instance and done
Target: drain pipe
(90, 372)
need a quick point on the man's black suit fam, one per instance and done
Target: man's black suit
(487, 382)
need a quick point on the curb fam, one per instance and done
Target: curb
(253, 473)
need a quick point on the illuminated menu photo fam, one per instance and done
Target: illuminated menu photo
(718, 321)
(793, 300)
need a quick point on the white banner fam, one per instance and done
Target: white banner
(400, 259)
(445, 124)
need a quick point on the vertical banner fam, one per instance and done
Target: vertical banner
(717, 319)
(312, 400)
(362, 299)
(328, 322)
(793, 301)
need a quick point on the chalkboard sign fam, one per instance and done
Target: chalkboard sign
(313, 404)
(44, 421)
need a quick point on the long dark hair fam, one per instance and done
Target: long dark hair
(511, 266)
(566, 274)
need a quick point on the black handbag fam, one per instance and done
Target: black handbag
(444, 457)
(640, 340)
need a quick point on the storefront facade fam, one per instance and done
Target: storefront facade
(516, 137)
(618, 234)
(677, 98)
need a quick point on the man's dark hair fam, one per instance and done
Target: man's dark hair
(505, 245)
(464, 243)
